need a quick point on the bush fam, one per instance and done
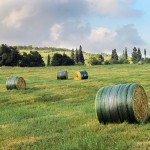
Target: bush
(9, 56)
(33, 59)
(61, 60)
(94, 61)
(123, 61)
(106, 62)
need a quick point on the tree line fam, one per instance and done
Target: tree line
(136, 57)
(10, 56)
(76, 58)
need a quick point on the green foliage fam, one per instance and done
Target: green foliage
(106, 62)
(145, 52)
(66, 60)
(139, 55)
(33, 59)
(100, 58)
(125, 54)
(96, 61)
(48, 60)
(93, 61)
(146, 60)
(123, 60)
(134, 55)
(9, 56)
(61, 60)
(56, 60)
(80, 55)
(114, 57)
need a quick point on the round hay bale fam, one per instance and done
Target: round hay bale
(123, 102)
(62, 75)
(80, 75)
(15, 83)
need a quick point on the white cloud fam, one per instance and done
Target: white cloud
(55, 31)
(16, 17)
(68, 23)
(104, 7)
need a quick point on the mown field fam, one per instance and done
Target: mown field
(60, 114)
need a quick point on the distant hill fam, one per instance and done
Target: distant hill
(51, 51)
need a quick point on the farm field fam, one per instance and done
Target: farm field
(60, 114)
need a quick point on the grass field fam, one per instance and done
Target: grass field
(60, 114)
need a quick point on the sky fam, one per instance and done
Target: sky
(98, 26)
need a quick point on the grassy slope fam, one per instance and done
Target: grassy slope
(45, 53)
(53, 114)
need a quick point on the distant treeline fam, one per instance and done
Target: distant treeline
(10, 56)
(30, 47)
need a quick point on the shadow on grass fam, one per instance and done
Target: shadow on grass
(49, 98)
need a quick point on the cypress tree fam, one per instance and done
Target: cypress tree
(134, 55)
(80, 55)
(145, 53)
(139, 55)
(114, 57)
(125, 54)
(48, 60)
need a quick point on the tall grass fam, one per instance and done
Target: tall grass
(60, 114)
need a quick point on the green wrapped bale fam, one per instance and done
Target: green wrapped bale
(80, 75)
(123, 102)
(62, 75)
(15, 82)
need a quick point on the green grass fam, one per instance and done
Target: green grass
(60, 114)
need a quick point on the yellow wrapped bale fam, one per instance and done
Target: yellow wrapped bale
(80, 75)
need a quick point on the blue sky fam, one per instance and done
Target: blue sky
(98, 25)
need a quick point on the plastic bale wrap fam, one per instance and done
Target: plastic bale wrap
(123, 102)
(62, 75)
(80, 75)
(15, 83)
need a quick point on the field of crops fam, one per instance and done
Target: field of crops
(60, 114)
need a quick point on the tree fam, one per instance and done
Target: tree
(139, 55)
(76, 57)
(114, 57)
(66, 60)
(80, 55)
(33, 59)
(61, 60)
(94, 61)
(124, 58)
(134, 55)
(72, 55)
(100, 58)
(125, 54)
(56, 60)
(145, 53)
(48, 60)
(9, 56)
